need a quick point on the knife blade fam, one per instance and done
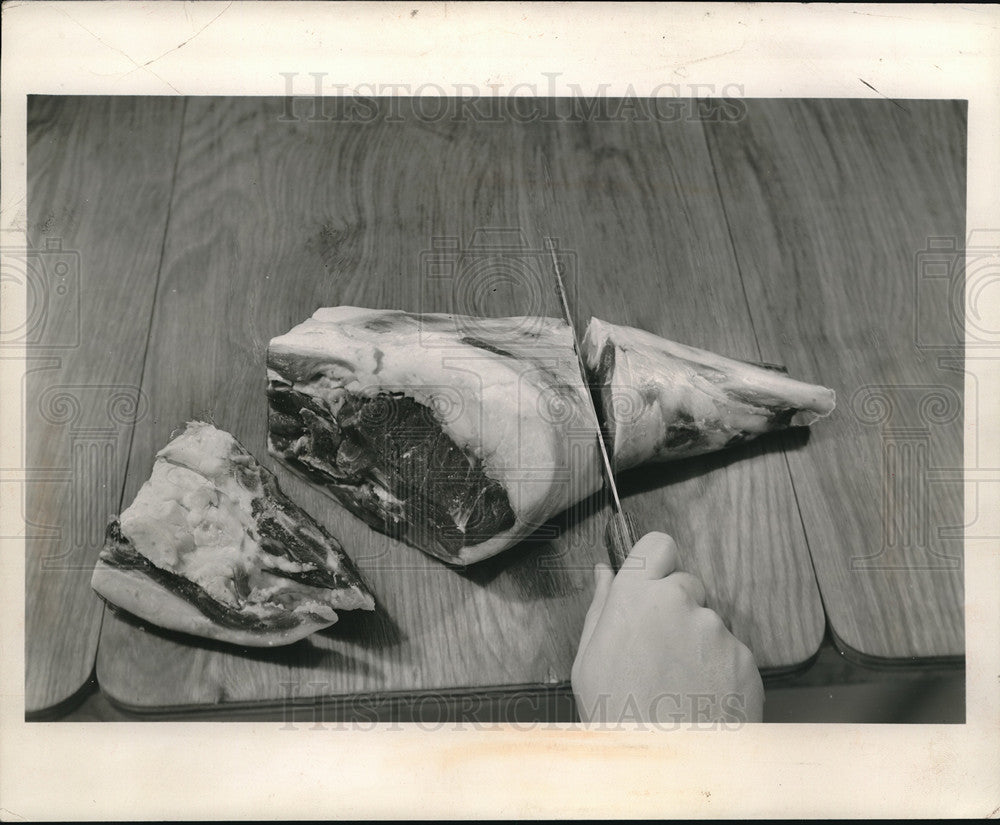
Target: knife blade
(620, 532)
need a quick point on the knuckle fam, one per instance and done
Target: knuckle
(709, 619)
(744, 658)
(674, 592)
(746, 665)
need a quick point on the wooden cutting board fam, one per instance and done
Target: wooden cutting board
(99, 178)
(270, 218)
(847, 218)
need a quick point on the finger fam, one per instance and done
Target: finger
(689, 584)
(603, 577)
(653, 557)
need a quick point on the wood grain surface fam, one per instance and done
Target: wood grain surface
(633, 202)
(99, 172)
(271, 219)
(834, 208)
(764, 236)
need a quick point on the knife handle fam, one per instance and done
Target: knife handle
(620, 535)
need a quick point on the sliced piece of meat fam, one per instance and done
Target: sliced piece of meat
(212, 547)
(662, 400)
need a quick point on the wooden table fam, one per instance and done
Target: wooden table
(786, 231)
(845, 218)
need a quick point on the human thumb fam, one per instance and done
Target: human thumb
(603, 577)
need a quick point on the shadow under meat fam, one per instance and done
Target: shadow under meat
(538, 566)
(366, 628)
(652, 476)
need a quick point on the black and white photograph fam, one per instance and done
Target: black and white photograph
(508, 406)
(358, 297)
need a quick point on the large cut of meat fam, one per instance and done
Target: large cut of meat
(458, 435)
(662, 400)
(212, 547)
